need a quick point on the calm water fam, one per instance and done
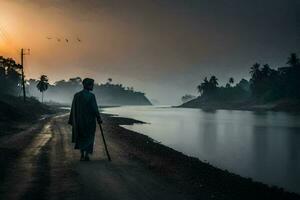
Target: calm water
(262, 145)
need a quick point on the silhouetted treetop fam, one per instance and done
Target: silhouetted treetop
(293, 60)
(107, 94)
(10, 76)
(265, 85)
(42, 85)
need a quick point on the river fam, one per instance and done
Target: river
(264, 146)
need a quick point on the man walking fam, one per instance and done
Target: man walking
(84, 112)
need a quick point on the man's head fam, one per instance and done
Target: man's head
(88, 84)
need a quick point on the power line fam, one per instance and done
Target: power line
(23, 76)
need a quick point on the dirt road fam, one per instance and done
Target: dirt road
(40, 163)
(45, 166)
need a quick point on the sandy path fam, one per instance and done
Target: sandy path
(48, 168)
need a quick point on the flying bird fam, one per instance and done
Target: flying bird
(63, 39)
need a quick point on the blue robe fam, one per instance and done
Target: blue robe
(84, 112)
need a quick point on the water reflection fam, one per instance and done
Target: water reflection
(293, 167)
(260, 145)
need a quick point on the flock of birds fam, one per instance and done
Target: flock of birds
(5, 37)
(63, 39)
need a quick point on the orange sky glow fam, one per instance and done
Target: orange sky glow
(155, 46)
(28, 26)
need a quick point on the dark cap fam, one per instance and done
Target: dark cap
(87, 82)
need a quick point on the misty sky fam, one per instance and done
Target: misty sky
(162, 47)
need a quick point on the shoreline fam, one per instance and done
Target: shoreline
(191, 178)
(290, 106)
(257, 108)
(191, 175)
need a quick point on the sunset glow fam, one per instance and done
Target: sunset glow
(150, 99)
(137, 41)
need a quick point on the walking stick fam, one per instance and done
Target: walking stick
(106, 150)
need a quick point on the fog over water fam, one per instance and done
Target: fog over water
(260, 145)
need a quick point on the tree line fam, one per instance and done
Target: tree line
(62, 91)
(10, 76)
(108, 93)
(265, 85)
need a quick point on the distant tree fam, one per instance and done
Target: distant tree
(10, 76)
(231, 80)
(109, 80)
(76, 80)
(293, 60)
(213, 82)
(2, 75)
(265, 85)
(31, 86)
(208, 87)
(42, 85)
(203, 87)
(291, 77)
(110, 94)
(243, 84)
(2, 67)
(256, 77)
(266, 71)
(255, 71)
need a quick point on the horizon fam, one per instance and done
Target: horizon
(153, 46)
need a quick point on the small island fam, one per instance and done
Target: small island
(267, 89)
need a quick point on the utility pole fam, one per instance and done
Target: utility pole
(23, 78)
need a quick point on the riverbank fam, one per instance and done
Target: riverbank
(190, 175)
(286, 105)
(141, 168)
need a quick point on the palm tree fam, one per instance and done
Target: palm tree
(255, 70)
(293, 60)
(42, 85)
(200, 88)
(213, 82)
(203, 86)
(231, 80)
